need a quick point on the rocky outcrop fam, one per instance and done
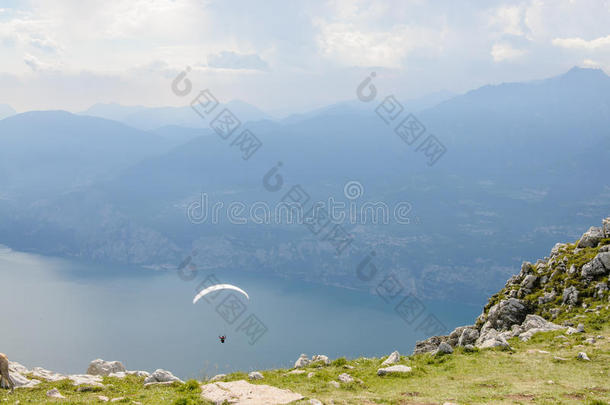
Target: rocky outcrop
(570, 296)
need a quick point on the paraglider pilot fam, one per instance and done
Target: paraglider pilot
(222, 338)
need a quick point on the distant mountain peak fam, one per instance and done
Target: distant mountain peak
(583, 72)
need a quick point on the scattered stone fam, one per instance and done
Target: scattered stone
(570, 296)
(243, 392)
(583, 356)
(335, 384)
(469, 348)
(162, 376)
(117, 399)
(529, 282)
(559, 358)
(255, 375)
(302, 361)
(346, 378)
(297, 372)
(349, 367)
(54, 393)
(590, 341)
(399, 369)
(580, 328)
(310, 374)
(560, 337)
(218, 377)
(443, 348)
(102, 367)
(392, 359)
(314, 401)
(103, 398)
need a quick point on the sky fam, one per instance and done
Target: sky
(285, 56)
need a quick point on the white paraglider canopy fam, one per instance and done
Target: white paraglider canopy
(217, 287)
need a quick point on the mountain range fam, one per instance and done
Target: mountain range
(518, 156)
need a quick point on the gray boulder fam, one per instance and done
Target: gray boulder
(529, 282)
(102, 367)
(506, 313)
(398, 369)
(534, 324)
(492, 338)
(591, 238)
(161, 376)
(596, 267)
(606, 227)
(583, 356)
(444, 348)
(469, 336)
(392, 359)
(255, 375)
(547, 297)
(429, 345)
(570, 296)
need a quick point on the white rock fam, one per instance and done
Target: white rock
(117, 399)
(54, 393)
(102, 367)
(255, 375)
(161, 376)
(242, 392)
(583, 356)
(218, 377)
(103, 398)
(311, 374)
(346, 378)
(314, 401)
(302, 361)
(86, 379)
(120, 374)
(297, 372)
(322, 358)
(394, 369)
(392, 359)
(138, 373)
(335, 384)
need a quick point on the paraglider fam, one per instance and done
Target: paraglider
(217, 287)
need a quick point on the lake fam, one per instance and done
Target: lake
(61, 314)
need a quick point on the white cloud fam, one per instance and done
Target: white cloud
(504, 51)
(579, 43)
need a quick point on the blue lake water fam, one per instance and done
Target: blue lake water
(61, 314)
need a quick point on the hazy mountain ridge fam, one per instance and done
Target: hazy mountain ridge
(481, 209)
